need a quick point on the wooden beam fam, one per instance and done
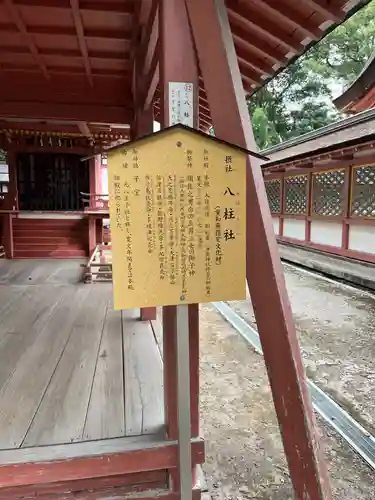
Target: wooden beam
(15, 15)
(259, 65)
(90, 33)
(84, 129)
(85, 5)
(157, 456)
(67, 70)
(289, 16)
(249, 74)
(81, 38)
(41, 127)
(326, 10)
(207, 124)
(253, 21)
(151, 80)
(34, 148)
(149, 39)
(69, 112)
(222, 78)
(53, 51)
(148, 57)
(101, 95)
(251, 45)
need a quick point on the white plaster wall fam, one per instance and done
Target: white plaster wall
(362, 238)
(276, 225)
(294, 228)
(326, 233)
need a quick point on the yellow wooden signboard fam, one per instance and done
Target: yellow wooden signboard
(177, 215)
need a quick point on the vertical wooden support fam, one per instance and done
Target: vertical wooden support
(309, 204)
(92, 234)
(98, 174)
(223, 85)
(178, 64)
(8, 235)
(346, 207)
(13, 190)
(92, 178)
(282, 205)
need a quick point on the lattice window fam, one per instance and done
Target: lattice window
(273, 189)
(328, 193)
(295, 198)
(363, 192)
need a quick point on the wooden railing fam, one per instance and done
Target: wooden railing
(95, 202)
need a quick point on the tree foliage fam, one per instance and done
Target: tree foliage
(299, 99)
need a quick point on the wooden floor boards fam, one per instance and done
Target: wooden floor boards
(71, 368)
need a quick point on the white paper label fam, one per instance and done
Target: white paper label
(181, 103)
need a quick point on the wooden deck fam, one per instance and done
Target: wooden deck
(71, 368)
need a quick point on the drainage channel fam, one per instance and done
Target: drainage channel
(348, 428)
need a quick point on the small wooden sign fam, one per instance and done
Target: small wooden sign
(178, 219)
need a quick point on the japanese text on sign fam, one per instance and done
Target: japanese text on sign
(178, 224)
(181, 105)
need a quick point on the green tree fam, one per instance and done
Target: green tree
(299, 99)
(3, 156)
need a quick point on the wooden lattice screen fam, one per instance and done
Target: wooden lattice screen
(273, 190)
(363, 192)
(295, 195)
(328, 193)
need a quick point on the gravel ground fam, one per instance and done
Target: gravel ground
(244, 456)
(336, 328)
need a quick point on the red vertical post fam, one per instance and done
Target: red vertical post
(143, 125)
(178, 64)
(346, 207)
(92, 179)
(12, 169)
(309, 205)
(92, 234)
(98, 174)
(91, 220)
(12, 205)
(282, 191)
(231, 121)
(8, 235)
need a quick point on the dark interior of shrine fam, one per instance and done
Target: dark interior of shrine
(51, 181)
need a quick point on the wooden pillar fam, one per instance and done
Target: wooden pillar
(143, 125)
(178, 64)
(346, 206)
(8, 235)
(223, 85)
(98, 174)
(12, 204)
(92, 176)
(91, 220)
(92, 234)
(309, 206)
(282, 205)
(13, 189)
